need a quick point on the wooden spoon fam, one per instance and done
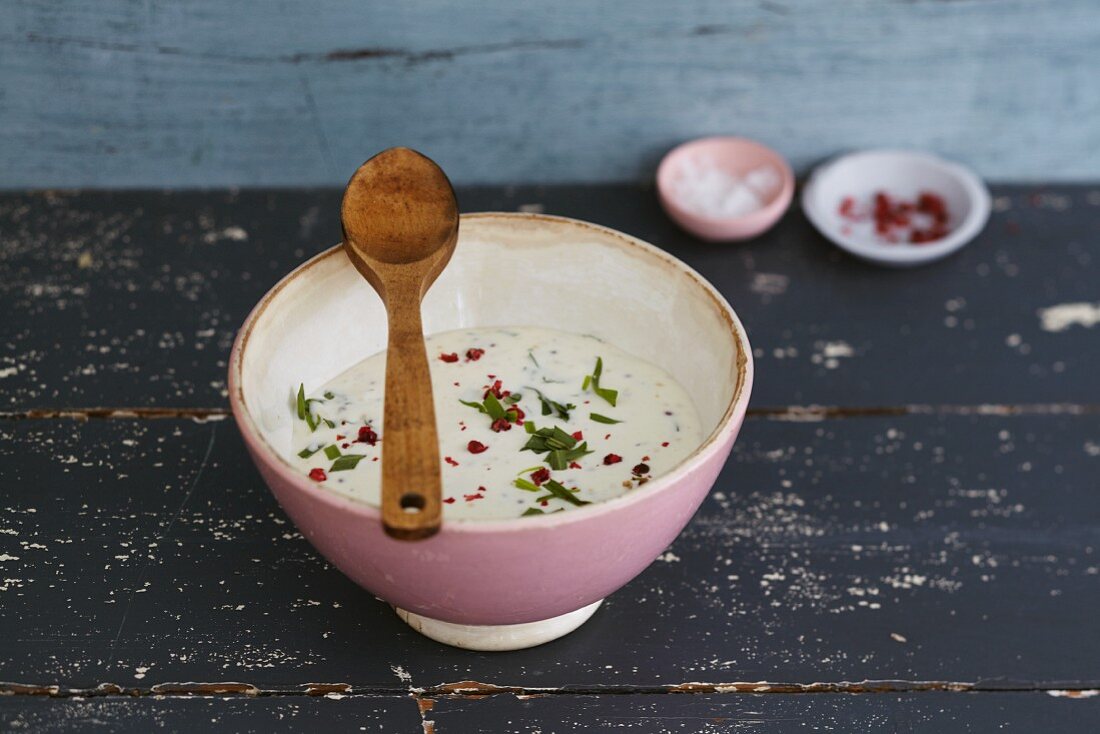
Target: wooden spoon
(400, 222)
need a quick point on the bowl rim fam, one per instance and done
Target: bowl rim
(773, 209)
(977, 193)
(712, 443)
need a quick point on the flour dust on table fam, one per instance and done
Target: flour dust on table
(531, 421)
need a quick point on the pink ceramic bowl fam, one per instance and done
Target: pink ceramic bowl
(737, 156)
(570, 275)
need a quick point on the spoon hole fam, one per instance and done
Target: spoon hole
(412, 503)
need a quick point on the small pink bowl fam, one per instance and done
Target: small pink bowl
(738, 156)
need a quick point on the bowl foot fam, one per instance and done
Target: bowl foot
(498, 637)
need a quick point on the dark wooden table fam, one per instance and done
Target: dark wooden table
(907, 537)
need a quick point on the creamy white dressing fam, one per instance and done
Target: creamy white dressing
(659, 424)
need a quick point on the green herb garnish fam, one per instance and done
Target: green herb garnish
(536, 511)
(329, 395)
(531, 356)
(301, 401)
(549, 439)
(557, 490)
(304, 412)
(346, 462)
(602, 419)
(560, 448)
(525, 485)
(594, 380)
(332, 452)
(306, 453)
(551, 407)
(493, 407)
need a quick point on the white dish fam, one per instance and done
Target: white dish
(902, 174)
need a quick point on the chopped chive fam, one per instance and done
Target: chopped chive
(607, 394)
(529, 426)
(602, 419)
(329, 395)
(329, 423)
(525, 485)
(562, 458)
(332, 452)
(528, 470)
(550, 407)
(493, 407)
(306, 453)
(557, 490)
(532, 511)
(347, 461)
(469, 403)
(531, 356)
(301, 401)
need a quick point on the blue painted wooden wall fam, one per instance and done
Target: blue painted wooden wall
(228, 92)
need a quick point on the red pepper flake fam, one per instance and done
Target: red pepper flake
(640, 469)
(848, 208)
(501, 424)
(612, 459)
(574, 465)
(449, 500)
(545, 503)
(476, 447)
(456, 384)
(345, 445)
(452, 357)
(478, 496)
(520, 415)
(375, 459)
(474, 354)
(318, 474)
(367, 436)
(450, 461)
(664, 444)
(540, 475)
(578, 435)
(339, 437)
(645, 458)
(496, 391)
(897, 220)
(607, 436)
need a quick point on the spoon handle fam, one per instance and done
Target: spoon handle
(412, 487)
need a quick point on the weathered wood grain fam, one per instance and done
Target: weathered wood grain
(264, 715)
(133, 299)
(951, 549)
(131, 93)
(943, 713)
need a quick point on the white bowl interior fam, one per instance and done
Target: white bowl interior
(508, 269)
(902, 174)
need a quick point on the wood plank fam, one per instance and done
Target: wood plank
(944, 713)
(921, 547)
(113, 290)
(135, 94)
(264, 715)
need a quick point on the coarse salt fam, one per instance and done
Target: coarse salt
(704, 188)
